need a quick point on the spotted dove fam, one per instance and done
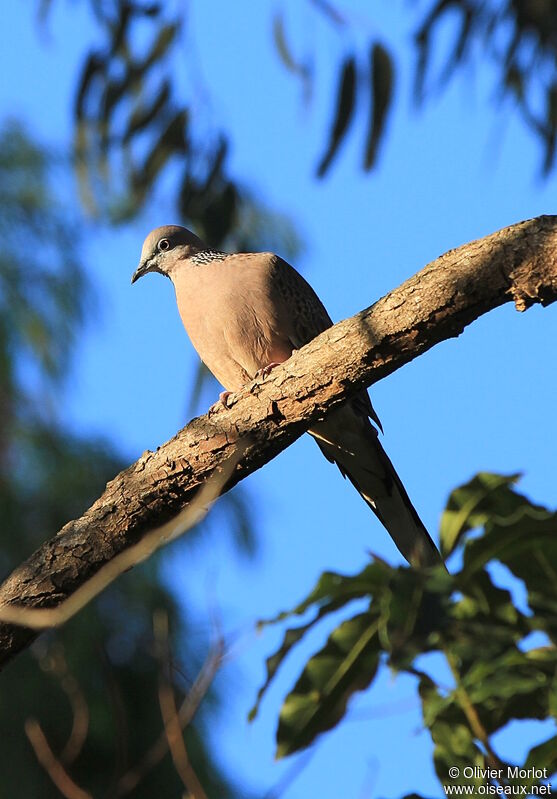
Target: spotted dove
(245, 312)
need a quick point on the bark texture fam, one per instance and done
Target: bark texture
(517, 264)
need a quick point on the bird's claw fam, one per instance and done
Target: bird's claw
(265, 371)
(222, 400)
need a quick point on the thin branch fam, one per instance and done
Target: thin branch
(477, 728)
(171, 720)
(185, 715)
(80, 723)
(53, 661)
(51, 764)
(120, 720)
(517, 264)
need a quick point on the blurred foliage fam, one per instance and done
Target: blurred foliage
(93, 685)
(42, 330)
(480, 628)
(363, 77)
(131, 122)
(135, 115)
(518, 36)
(45, 472)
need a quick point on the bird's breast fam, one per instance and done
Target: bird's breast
(229, 315)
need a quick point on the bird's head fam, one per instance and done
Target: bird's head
(164, 247)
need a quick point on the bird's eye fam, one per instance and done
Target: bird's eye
(164, 245)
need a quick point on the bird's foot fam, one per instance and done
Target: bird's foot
(222, 400)
(265, 371)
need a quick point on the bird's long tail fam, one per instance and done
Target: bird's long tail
(348, 439)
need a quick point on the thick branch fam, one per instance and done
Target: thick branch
(516, 264)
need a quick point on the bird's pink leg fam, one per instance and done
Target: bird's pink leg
(265, 371)
(222, 400)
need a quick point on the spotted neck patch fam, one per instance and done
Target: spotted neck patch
(206, 256)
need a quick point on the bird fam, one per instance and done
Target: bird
(245, 313)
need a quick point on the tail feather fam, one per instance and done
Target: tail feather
(348, 439)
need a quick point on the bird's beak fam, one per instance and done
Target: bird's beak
(143, 268)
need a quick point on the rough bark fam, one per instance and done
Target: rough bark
(518, 264)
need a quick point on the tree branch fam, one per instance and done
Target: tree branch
(518, 264)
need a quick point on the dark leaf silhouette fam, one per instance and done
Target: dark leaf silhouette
(143, 115)
(286, 56)
(518, 37)
(344, 113)
(382, 83)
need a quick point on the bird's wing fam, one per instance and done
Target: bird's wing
(346, 436)
(304, 317)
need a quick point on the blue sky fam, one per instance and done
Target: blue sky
(459, 170)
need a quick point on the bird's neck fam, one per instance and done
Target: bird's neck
(206, 256)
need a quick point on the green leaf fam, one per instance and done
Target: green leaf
(93, 67)
(468, 505)
(284, 50)
(332, 592)
(172, 141)
(516, 685)
(550, 128)
(455, 746)
(143, 115)
(514, 81)
(523, 537)
(347, 663)
(461, 44)
(291, 637)
(340, 587)
(346, 100)
(163, 40)
(381, 96)
(453, 739)
(543, 756)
